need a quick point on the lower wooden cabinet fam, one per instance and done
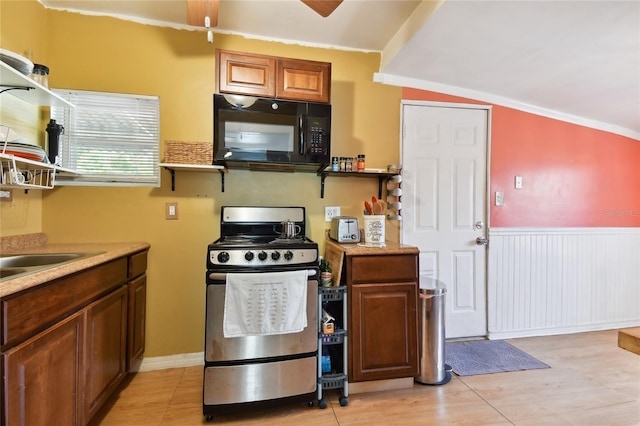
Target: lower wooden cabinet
(70, 369)
(136, 322)
(63, 362)
(383, 316)
(383, 331)
(44, 377)
(106, 344)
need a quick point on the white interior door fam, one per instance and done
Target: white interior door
(444, 157)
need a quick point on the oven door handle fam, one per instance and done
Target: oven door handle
(222, 276)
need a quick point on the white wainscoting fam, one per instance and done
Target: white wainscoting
(546, 281)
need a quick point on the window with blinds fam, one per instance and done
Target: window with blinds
(109, 138)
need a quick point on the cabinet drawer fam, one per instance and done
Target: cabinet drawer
(37, 309)
(387, 268)
(137, 264)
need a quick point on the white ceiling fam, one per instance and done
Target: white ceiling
(573, 60)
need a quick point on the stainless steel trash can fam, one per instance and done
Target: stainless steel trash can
(432, 334)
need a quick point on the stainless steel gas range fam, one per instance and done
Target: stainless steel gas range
(258, 369)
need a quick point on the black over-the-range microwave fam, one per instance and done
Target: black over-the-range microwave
(271, 134)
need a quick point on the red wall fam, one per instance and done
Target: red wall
(573, 176)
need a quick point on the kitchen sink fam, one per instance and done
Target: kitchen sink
(19, 264)
(8, 272)
(26, 260)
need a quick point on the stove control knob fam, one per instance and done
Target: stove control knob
(275, 255)
(262, 255)
(223, 257)
(288, 255)
(248, 256)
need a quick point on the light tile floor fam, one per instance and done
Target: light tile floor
(591, 382)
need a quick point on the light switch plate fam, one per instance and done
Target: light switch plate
(499, 198)
(171, 211)
(518, 182)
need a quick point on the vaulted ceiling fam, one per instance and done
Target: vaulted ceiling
(573, 60)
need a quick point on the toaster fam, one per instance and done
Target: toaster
(345, 229)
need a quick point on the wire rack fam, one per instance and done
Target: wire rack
(17, 172)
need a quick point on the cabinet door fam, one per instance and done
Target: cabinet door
(43, 375)
(137, 315)
(383, 331)
(106, 336)
(304, 80)
(246, 74)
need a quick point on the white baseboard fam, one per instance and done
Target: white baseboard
(172, 361)
(561, 330)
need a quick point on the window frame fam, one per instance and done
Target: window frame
(100, 119)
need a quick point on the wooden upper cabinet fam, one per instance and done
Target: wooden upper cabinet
(303, 80)
(273, 77)
(246, 74)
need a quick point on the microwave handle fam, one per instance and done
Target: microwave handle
(302, 129)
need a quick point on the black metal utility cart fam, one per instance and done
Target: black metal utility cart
(332, 303)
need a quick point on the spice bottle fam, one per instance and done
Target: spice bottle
(335, 164)
(360, 162)
(40, 75)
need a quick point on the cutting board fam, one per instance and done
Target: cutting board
(335, 257)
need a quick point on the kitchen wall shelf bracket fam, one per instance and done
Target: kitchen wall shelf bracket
(6, 88)
(173, 167)
(372, 173)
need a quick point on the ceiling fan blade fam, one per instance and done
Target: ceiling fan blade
(323, 7)
(197, 10)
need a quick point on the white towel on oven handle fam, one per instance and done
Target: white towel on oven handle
(265, 303)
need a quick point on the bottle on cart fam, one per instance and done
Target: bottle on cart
(326, 361)
(326, 275)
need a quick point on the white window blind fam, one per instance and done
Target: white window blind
(109, 138)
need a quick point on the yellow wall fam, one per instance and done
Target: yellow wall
(106, 54)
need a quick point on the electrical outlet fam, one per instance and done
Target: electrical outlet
(330, 212)
(171, 212)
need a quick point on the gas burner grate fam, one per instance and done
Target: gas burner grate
(236, 239)
(280, 240)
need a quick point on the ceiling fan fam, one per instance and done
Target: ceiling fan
(205, 12)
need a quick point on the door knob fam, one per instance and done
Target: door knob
(481, 241)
